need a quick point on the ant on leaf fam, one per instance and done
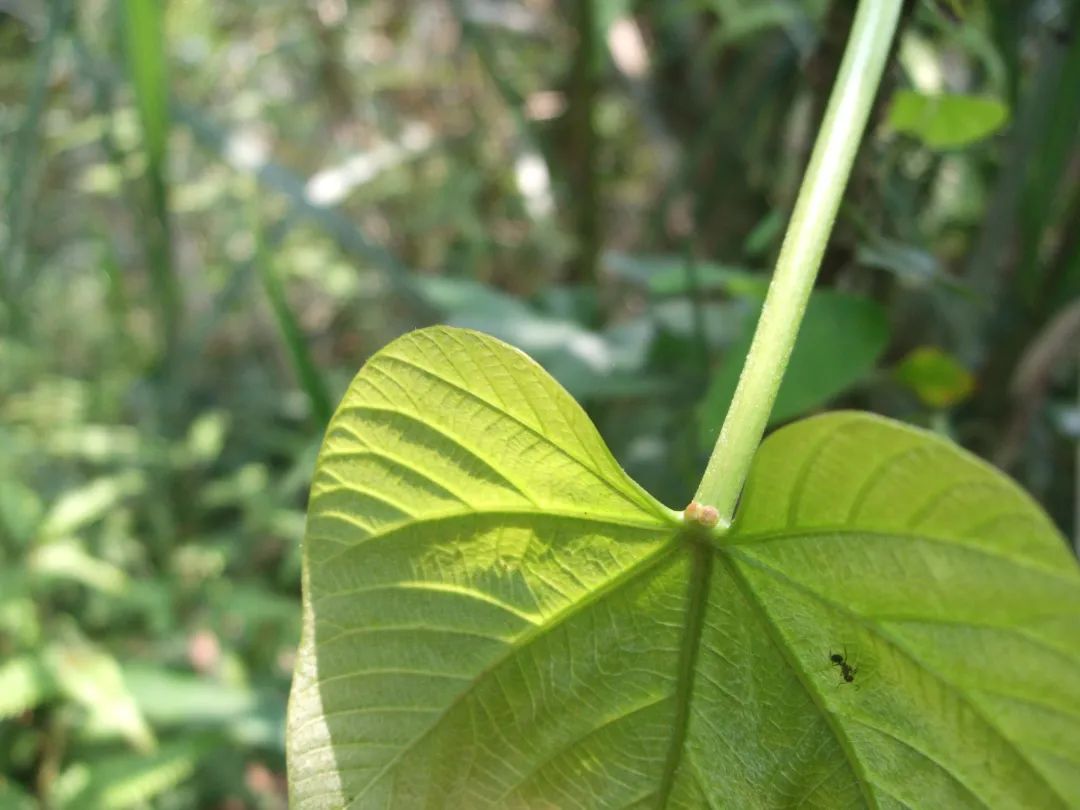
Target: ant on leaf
(847, 671)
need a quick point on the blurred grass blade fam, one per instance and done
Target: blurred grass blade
(116, 299)
(20, 162)
(1048, 175)
(322, 407)
(144, 39)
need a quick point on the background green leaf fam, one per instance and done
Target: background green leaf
(495, 615)
(122, 781)
(94, 679)
(946, 121)
(588, 363)
(174, 699)
(937, 378)
(666, 276)
(841, 339)
(25, 681)
(14, 797)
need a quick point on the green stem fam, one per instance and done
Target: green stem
(800, 257)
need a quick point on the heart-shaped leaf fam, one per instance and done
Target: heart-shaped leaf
(496, 616)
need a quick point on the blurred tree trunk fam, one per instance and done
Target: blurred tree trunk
(325, 19)
(1027, 235)
(584, 175)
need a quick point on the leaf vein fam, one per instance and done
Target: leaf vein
(631, 574)
(639, 505)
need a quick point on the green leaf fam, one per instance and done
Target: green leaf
(68, 560)
(12, 797)
(946, 121)
(206, 437)
(913, 266)
(665, 276)
(590, 364)
(496, 616)
(119, 782)
(20, 513)
(143, 29)
(81, 507)
(175, 699)
(20, 619)
(946, 586)
(25, 683)
(94, 679)
(841, 339)
(936, 377)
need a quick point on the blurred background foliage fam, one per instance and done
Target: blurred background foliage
(213, 212)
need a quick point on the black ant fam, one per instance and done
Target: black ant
(847, 671)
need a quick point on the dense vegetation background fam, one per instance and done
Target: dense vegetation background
(214, 212)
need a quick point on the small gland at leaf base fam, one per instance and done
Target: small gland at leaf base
(709, 517)
(706, 516)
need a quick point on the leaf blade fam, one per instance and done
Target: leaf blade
(923, 627)
(481, 531)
